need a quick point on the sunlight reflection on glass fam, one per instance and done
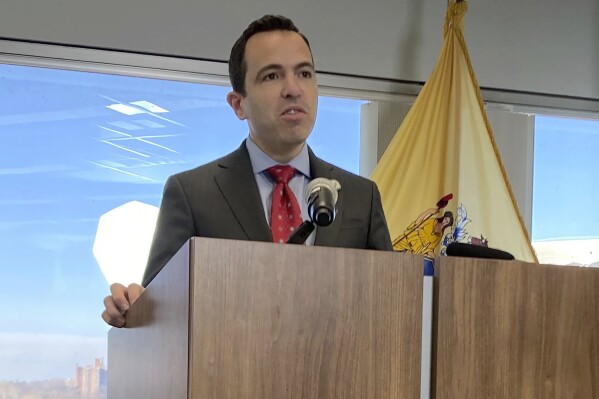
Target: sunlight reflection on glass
(123, 241)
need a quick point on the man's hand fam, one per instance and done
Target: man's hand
(119, 301)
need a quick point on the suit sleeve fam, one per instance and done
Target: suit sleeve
(378, 234)
(173, 228)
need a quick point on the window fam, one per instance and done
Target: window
(73, 146)
(566, 190)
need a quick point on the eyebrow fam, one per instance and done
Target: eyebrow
(278, 67)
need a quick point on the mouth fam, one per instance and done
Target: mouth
(294, 110)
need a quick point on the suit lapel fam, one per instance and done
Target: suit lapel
(238, 185)
(326, 236)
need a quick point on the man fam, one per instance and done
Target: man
(240, 195)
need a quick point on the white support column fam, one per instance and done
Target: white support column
(514, 136)
(513, 133)
(379, 121)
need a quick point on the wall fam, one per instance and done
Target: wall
(544, 46)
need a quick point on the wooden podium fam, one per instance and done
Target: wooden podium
(246, 320)
(515, 330)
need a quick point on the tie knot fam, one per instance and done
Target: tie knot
(281, 173)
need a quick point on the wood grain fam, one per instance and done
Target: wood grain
(149, 358)
(515, 330)
(257, 320)
(286, 321)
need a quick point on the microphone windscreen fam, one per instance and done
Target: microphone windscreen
(320, 182)
(476, 251)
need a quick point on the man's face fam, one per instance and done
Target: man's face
(281, 93)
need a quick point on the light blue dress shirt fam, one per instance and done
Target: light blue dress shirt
(261, 161)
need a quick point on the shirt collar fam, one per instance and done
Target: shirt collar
(261, 161)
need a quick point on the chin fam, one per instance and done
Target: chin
(298, 139)
(302, 131)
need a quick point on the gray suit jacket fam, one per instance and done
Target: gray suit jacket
(221, 200)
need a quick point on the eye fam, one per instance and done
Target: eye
(306, 74)
(271, 76)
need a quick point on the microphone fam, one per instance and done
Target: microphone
(476, 251)
(321, 195)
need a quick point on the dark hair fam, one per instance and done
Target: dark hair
(237, 65)
(447, 214)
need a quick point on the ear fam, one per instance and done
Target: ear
(235, 101)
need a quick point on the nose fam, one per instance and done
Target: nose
(291, 87)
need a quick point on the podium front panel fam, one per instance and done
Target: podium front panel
(289, 321)
(509, 329)
(149, 358)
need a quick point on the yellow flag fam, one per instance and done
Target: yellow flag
(445, 146)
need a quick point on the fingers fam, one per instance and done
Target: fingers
(112, 315)
(119, 297)
(134, 291)
(118, 302)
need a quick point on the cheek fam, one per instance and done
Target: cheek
(253, 110)
(313, 90)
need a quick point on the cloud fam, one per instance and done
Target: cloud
(568, 251)
(34, 357)
(40, 201)
(34, 170)
(5, 226)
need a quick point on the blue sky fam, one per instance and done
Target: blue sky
(566, 178)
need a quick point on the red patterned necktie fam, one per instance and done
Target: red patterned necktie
(285, 214)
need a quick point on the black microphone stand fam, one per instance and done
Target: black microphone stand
(302, 233)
